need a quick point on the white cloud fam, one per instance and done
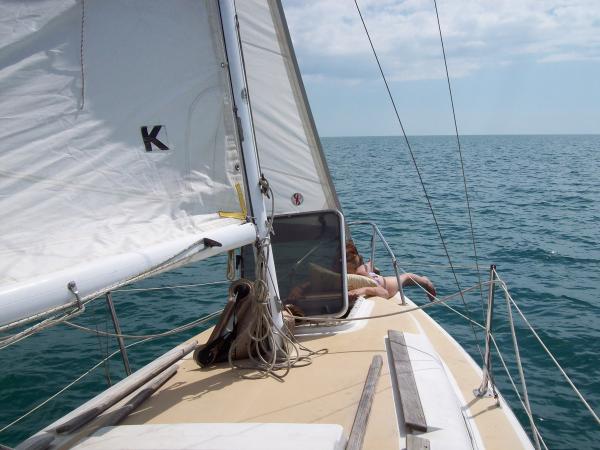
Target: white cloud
(478, 34)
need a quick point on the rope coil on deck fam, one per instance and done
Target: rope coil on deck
(271, 350)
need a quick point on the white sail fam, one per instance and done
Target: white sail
(117, 143)
(288, 145)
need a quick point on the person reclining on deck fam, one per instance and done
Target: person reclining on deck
(386, 287)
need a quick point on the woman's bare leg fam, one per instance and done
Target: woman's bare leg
(410, 279)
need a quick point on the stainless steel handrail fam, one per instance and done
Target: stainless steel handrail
(377, 232)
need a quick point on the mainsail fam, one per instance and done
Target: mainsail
(117, 144)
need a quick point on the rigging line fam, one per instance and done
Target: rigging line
(106, 375)
(440, 266)
(554, 360)
(414, 161)
(171, 287)
(79, 378)
(107, 351)
(82, 103)
(520, 366)
(175, 330)
(510, 378)
(462, 165)
(463, 316)
(146, 338)
(437, 301)
(38, 327)
(246, 86)
(270, 232)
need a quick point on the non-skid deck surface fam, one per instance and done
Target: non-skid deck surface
(327, 391)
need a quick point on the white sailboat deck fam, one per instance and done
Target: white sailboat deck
(328, 391)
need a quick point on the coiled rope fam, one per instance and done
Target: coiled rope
(272, 351)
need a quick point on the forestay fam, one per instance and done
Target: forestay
(288, 145)
(117, 143)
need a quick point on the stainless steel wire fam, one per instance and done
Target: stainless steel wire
(100, 333)
(419, 175)
(460, 155)
(176, 330)
(520, 369)
(512, 382)
(549, 353)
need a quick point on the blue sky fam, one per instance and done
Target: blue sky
(516, 66)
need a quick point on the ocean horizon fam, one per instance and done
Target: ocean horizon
(454, 135)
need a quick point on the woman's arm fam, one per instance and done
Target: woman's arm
(375, 291)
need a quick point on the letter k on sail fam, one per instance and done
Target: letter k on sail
(152, 138)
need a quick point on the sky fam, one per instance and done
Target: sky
(516, 66)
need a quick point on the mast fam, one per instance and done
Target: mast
(254, 179)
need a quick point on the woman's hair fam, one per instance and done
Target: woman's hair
(352, 252)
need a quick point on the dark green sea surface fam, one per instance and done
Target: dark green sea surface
(536, 211)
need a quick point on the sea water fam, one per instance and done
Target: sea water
(535, 207)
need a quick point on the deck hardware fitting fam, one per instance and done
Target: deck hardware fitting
(113, 315)
(487, 389)
(72, 286)
(231, 265)
(400, 289)
(376, 232)
(210, 243)
(414, 442)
